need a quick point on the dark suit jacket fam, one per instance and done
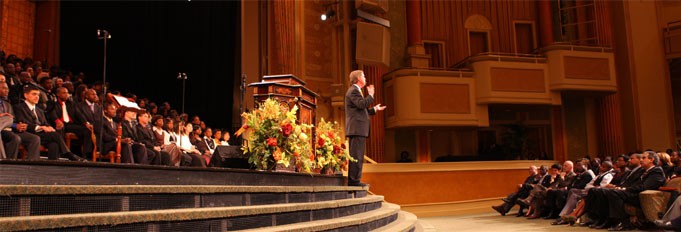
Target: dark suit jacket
(357, 112)
(72, 111)
(129, 131)
(581, 181)
(108, 132)
(146, 135)
(649, 180)
(24, 114)
(86, 114)
(633, 179)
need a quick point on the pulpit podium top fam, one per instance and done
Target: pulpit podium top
(289, 79)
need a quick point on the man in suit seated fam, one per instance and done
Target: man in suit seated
(27, 112)
(109, 138)
(141, 153)
(145, 135)
(523, 190)
(65, 118)
(14, 134)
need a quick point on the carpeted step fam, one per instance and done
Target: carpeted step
(200, 219)
(34, 200)
(367, 221)
(406, 222)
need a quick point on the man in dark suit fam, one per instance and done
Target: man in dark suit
(109, 137)
(27, 112)
(90, 112)
(15, 133)
(357, 121)
(142, 154)
(145, 135)
(65, 118)
(651, 179)
(597, 205)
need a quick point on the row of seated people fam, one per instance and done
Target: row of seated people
(80, 118)
(570, 191)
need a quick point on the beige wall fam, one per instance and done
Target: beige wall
(647, 106)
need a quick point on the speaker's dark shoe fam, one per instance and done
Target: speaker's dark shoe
(506, 200)
(597, 223)
(605, 225)
(500, 210)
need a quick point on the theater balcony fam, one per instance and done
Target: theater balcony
(581, 68)
(512, 79)
(432, 98)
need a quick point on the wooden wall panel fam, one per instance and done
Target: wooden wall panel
(517, 80)
(375, 144)
(445, 98)
(587, 68)
(318, 56)
(500, 14)
(18, 27)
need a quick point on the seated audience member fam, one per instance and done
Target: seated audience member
(109, 138)
(523, 190)
(89, 112)
(47, 99)
(64, 118)
(217, 134)
(573, 209)
(210, 144)
(404, 157)
(145, 135)
(605, 206)
(15, 133)
(556, 198)
(166, 139)
(537, 196)
(192, 155)
(224, 141)
(28, 113)
(666, 164)
(621, 168)
(129, 128)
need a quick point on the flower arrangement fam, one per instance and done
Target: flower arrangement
(331, 149)
(274, 138)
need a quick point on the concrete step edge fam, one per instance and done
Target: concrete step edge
(16, 190)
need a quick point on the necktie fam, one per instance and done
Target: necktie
(35, 115)
(92, 107)
(64, 113)
(2, 106)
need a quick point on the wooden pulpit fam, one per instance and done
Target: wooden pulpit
(291, 90)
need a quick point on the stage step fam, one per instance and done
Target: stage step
(35, 200)
(197, 219)
(385, 217)
(406, 222)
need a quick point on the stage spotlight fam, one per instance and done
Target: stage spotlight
(328, 14)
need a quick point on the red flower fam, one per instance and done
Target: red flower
(336, 149)
(320, 142)
(330, 134)
(343, 146)
(296, 154)
(312, 158)
(286, 130)
(272, 142)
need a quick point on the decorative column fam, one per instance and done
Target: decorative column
(375, 148)
(609, 114)
(282, 38)
(46, 40)
(558, 128)
(545, 22)
(416, 52)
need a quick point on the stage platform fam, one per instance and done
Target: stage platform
(78, 173)
(74, 196)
